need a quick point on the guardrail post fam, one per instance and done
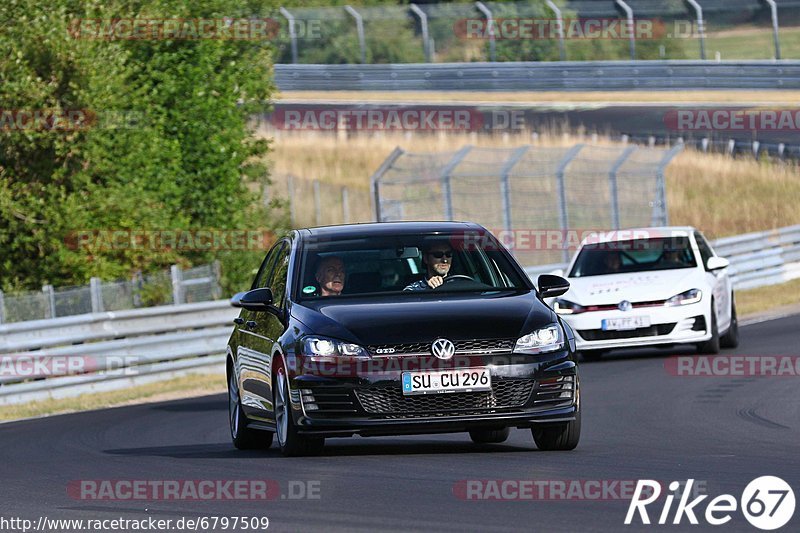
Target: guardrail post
(292, 32)
(360, 29)
(505, 189)
(50, 300)
(612, 184)
(2, 308)
(423, 22)
(562, 52)
(489, 24)
(445, 178)
(374, 180)
(292, 209)
(216, 289)
(701, 30)
(345, 205)
(136, 288)
(317, 204)
(563, 216)
(774, 9)
(631, 27)
(177, 279)
(96, 293)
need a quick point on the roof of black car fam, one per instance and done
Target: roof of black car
(375, 229)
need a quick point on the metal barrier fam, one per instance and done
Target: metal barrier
(546, 76)
(757, 259)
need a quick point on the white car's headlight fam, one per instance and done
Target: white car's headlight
(565, 307)
(685, 298)
(324, 347)
(542, 340)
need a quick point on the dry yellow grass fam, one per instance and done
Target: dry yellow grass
(532, 97)
(763, 298)
(720, 195)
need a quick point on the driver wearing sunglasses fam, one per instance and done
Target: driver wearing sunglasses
(437, 260)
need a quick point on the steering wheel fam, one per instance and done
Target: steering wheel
(456, 278)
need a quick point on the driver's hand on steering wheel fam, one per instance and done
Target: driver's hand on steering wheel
(435, 281)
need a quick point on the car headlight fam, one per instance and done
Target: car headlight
(324, 347)
(685, 298)
(542, 340)
(565, 307)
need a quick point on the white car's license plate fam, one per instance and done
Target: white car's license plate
(444, 381)
(628, 322)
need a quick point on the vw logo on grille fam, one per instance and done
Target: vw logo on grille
(443, 348)
(625, 305)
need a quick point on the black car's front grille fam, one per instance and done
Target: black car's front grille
(474, 346)
(600, 335)
(505, 393)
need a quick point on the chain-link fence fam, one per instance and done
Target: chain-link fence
(316, 203)
(528, 191)
(539, 30)
(174, 286)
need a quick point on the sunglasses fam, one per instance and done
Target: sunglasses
(440, 254)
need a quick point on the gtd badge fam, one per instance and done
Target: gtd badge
(443, 349)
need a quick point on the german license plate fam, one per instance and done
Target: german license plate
(444, 381)
(629, 322)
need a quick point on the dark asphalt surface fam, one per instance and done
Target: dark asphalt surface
(638, 422)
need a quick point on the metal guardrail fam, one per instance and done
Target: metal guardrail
(121, 349)
(74, 355)
(757, 259)
(543, 76)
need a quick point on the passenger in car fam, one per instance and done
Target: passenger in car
(437, 258)
(330, 275)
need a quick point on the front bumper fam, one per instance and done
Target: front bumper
(542, 390)
(668, 325)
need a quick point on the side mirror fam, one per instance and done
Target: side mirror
(236, 301)
(551, 286)
(257, 299)
(717, 263)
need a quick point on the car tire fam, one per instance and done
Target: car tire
(243, 438)
(711, 346)
(292, 444)
(489, 436)
(558, 437)
(591, 356)
(731, 337)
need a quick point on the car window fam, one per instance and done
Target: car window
(279, 274)
(703, 246)
(619, 257)
(263, 276)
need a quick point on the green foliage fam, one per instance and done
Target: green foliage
(169, 148)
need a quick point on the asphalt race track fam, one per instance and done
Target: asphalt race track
(638, 422)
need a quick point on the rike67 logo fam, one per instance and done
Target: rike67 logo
(767, 503)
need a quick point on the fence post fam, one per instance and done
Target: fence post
(317, 204)
(423, 22)
(292, 33)
(216, 289)
(345, 205)
(290, 187)
(374, 180)
(774, 9)
(2, 307)
(96, 293)
(612, 184)
(177, 279)
(489, 24)
(701, 30)
(660, 213)
(50, 297)
(445, 177)
(505, 189)
(631, 27)
(563, 217)
(360, 29)
(562, 53)
(137, 281)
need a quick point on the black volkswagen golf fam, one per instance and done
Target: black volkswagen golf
(399, 328)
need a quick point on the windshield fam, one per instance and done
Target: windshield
(404, 265)
(638, 255)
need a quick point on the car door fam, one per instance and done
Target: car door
(719, 280)
(253, 354)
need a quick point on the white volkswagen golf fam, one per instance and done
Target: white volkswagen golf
(648, 286)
